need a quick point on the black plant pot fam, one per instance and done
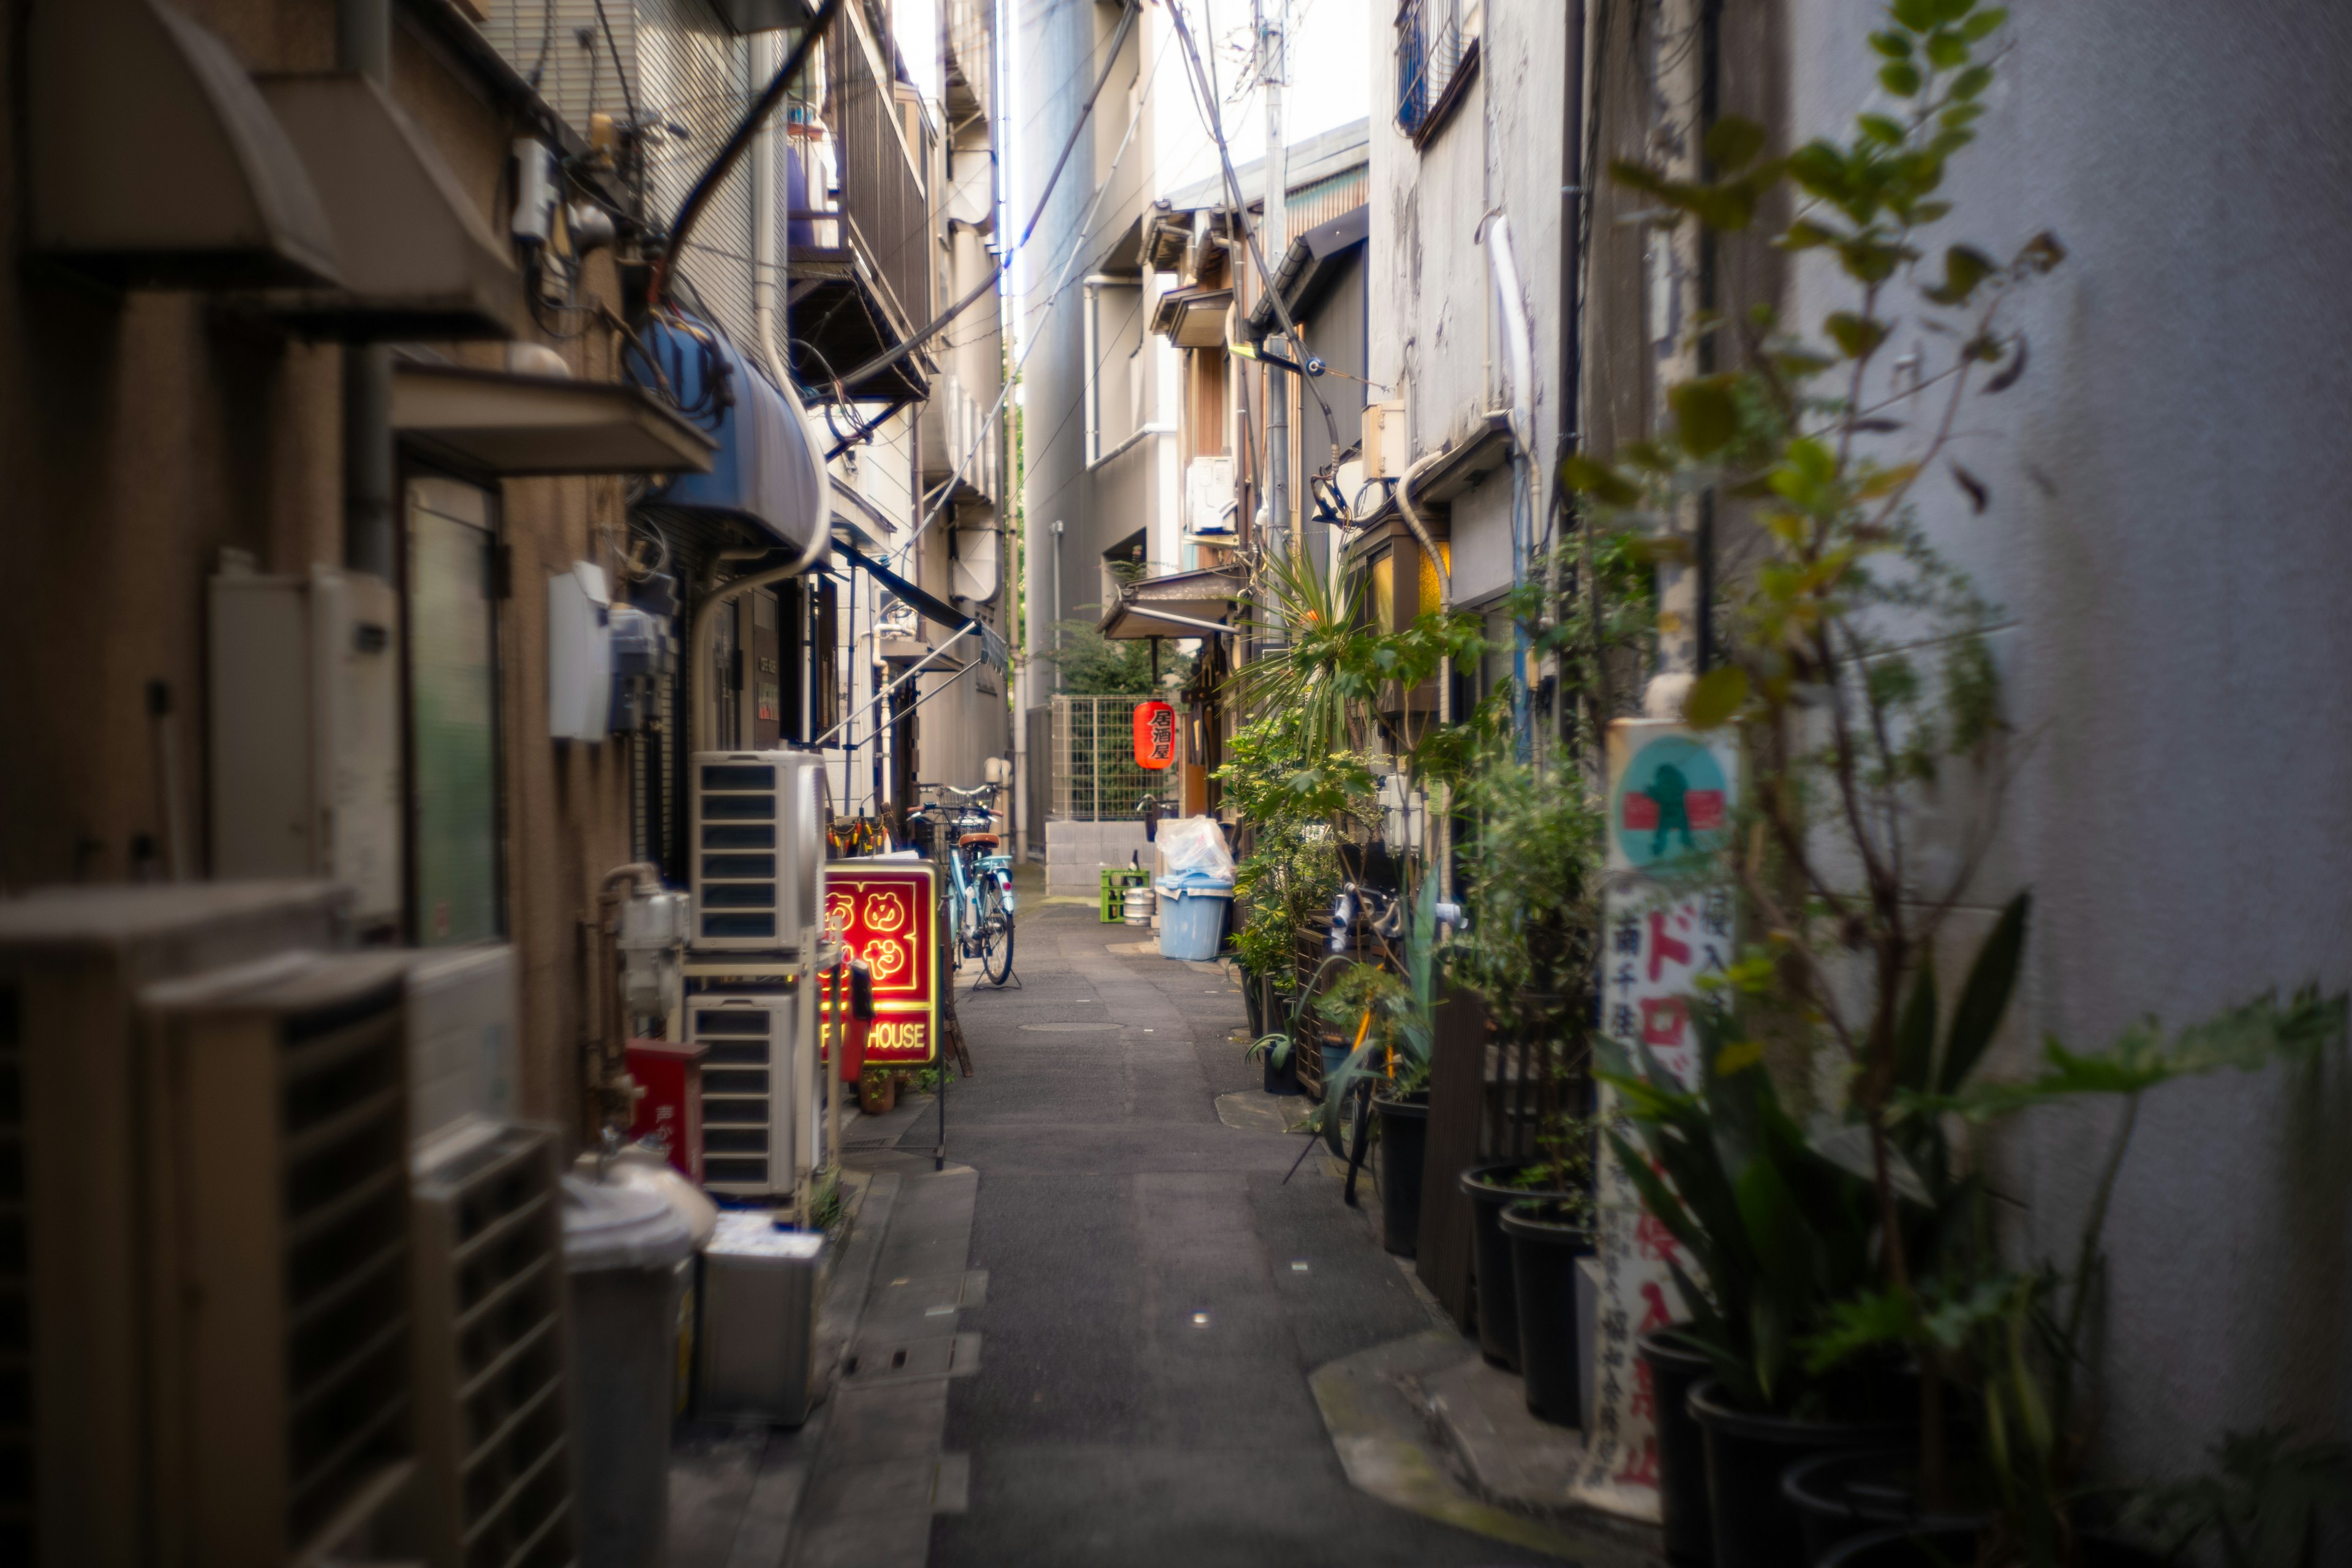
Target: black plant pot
(1404, 1135)
(1754, 1524)
(1488, 1189)
(1675, 1368)
(1840, 1496)
(1282, 1079)
(1544, 1254)
(1254, 1003)
(1940, 1548)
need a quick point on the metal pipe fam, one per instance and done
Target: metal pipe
(1518, 358)
(1442, 828)
(913, 670)
(363, 45)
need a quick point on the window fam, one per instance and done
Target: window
(1436, 57)
(453, 713)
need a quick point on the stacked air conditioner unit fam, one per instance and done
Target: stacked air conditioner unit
(758, 850)
(105, 1154)
(749, 1073)
(277, 1146)
(493, 1417)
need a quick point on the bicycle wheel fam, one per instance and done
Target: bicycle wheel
(995, 932)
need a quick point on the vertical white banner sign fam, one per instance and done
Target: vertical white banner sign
(1669, 919)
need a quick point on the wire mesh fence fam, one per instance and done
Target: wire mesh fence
(1091, 751)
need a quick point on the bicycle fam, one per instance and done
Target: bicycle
(979, 896)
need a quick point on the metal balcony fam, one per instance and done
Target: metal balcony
(861, 251)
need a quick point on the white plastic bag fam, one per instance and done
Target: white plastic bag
(1192, 853)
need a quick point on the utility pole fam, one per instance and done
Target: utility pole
(1275, 235)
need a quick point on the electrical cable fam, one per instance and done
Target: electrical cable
(1208, 98)
(738, 141)
(628, 97)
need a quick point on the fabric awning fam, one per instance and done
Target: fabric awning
(497, 422)
(929, 607)
(1182, 605)
(418, 262)
(152, 159)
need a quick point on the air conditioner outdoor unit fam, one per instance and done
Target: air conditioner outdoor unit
(280, 1358)
(493, 1413)
(305, 732)
(72, 962)
(750, 1079)
(758, 848)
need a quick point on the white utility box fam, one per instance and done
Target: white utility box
(305, 742)
(579, 654)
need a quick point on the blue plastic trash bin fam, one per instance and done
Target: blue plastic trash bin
(1192, 922)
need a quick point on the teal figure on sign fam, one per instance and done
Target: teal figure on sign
(1673, 802)
(1671, 791)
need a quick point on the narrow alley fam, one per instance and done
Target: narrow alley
(1139, 1300)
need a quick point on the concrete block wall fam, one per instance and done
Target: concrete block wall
(1076, 853)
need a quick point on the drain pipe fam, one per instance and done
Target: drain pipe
(363, 45)
(1443, 828)
(1519, 360)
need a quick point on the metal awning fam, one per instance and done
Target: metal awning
(1181, 605)
(152, 159)
(1463, 465)
(1193, 318)
(1309, 270)
(992, 646)
(418, 262)
(494, 421)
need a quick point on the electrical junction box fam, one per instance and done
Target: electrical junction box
(1387, 452)
(758, 849)
(306, 734)
(643, 651)
(579, 654)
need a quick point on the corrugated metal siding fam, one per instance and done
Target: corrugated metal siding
(1325, 199)
(698, 74)
(682, 68)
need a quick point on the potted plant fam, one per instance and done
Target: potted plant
(2011, 1342)
(877, 1090)
(1779, 1233)
(1395, 1011)
(1545, 1230)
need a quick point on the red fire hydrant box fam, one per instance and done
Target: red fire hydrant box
(670, 1109)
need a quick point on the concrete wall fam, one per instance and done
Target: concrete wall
(1076, 853)
(2168, 546)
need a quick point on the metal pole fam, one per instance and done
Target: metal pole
(363, 45)
(1276, 231)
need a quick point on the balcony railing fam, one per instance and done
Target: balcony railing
(1433, 51)
(860, 220)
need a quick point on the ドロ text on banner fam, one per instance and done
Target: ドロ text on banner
(1667, 920)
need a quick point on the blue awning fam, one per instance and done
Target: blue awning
(992, 647)
(769, 470)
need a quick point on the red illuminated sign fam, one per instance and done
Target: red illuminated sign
(1155, 735)
(884, 911)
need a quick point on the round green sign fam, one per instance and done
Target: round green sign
(1671, 802)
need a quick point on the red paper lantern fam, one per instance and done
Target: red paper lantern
(1155, 735)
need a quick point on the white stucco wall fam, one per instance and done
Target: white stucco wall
(2169, 545)
(1431, 309)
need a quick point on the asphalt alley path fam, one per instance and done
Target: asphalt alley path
(1149, 1327)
